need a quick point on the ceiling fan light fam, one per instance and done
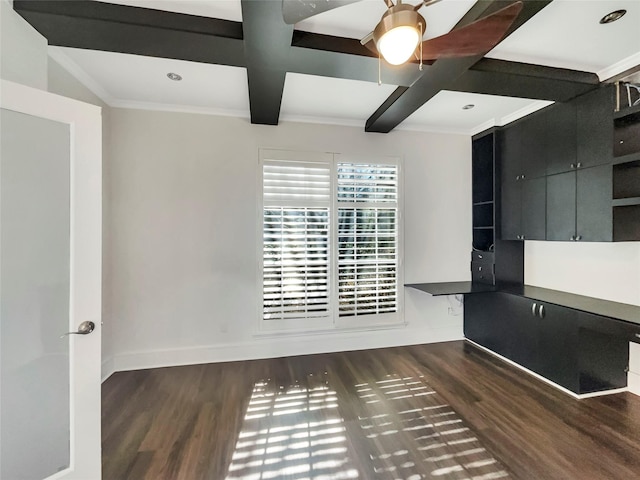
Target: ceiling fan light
(399, 33)
(398, 44)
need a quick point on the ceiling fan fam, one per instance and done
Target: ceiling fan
(399, 32)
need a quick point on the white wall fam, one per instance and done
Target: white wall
(603, 270)
(23, 51)
(184, 233)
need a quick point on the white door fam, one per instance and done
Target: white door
(50, 284)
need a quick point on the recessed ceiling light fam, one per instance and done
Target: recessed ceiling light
(174, 76)
(468, 107)
(613, 16)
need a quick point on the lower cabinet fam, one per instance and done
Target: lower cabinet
(573, 349)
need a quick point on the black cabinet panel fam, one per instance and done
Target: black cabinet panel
(511, 210)
(594, 121)
(560, 138)
(594, 219)
(521, 334)
(580, 351)
(534, 209)
(533, 145)
(483, 323)
(603, 357)
(561, 206)
(558, 345)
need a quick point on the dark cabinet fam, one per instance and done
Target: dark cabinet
(594, 118)
(579, 351)
(571, 199)
(594, 219)
(559, 138)
(561, 206)
(579, 205)
(523, 209)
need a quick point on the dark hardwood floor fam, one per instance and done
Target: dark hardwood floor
(447, 411)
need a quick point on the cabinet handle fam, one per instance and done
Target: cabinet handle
(637, 335)
(579, 164)
(533, 309)
(578, 238)
(521, 237)
(522, 176)
(573, 238)
(479, 256)
(517, 177)
(479, 269)
(541, 311)
(573, 165)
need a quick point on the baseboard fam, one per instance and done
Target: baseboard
(108, 368)
(282, 347)
(633, 382)
(545, 380)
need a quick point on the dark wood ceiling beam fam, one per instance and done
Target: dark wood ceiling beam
(346, 65)
(137, 31)
(558, 85)
(444, 71)
(267, 41)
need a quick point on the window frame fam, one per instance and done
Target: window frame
(333, 322)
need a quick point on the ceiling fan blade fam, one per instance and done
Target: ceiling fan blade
(294, 11)
(474, 39)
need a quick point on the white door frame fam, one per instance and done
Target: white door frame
(85, 122)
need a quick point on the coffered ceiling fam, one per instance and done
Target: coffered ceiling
(238, 57)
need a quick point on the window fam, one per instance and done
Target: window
(331, 241)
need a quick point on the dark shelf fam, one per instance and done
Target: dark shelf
(452, 288)
(626, 111)
(630, 158)
(626, 202)
(488, 202)
(483, 228)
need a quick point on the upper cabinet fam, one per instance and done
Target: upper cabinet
(571, 172)
(559, 138)
(594, 127)
(522, 187)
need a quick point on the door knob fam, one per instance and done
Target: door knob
(85, 328)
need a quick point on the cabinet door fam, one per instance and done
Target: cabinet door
(561, 206)
(603, 357)
(521, 331)
(483, 321)
(510, 198)
(511, 210)
(560, 135)
(558, 345)
(594, 133)
(594, 215)
(533, 144)
(534, 201)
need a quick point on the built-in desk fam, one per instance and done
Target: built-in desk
(452, 288)
(576, 342)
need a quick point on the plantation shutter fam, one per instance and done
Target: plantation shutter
(368, 257)
(296, 225)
